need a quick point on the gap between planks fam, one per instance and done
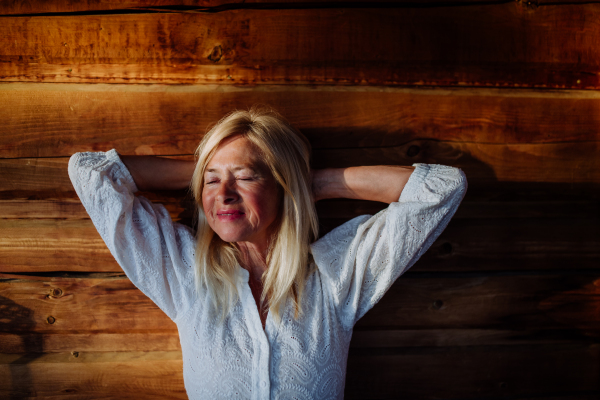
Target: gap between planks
(540, 93)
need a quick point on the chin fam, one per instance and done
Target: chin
(230, 237)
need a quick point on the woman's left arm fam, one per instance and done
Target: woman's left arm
(361, 183)
(359, 260)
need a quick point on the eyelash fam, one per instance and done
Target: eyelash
(241, 179)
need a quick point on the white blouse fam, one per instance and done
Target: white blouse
(301, 358)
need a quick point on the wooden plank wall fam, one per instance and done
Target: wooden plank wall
(505, 305)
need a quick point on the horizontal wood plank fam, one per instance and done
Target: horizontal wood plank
(51, 120)
(504, 45)
(73, 342)
(474, 373)
(565, 306)
(62, 6)
(483, 164)
(467, 244)
(122, 375)
(57, 342)
(486, 165)
(499, 302)
(181, 207)
(79, 304)
(465, 373)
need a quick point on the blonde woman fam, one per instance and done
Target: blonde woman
(263, 310)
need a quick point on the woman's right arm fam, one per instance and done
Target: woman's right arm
(156, 173)
(155, 253)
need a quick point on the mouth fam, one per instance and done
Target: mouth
(229, 215)
(231, 212)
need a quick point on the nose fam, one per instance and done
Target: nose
(227, 193)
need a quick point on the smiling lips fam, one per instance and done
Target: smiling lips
(229, 215)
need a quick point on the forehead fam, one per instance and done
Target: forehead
(235, 152)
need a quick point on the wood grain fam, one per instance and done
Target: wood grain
(517, 372)
(50, 120)
(468, 244)
(503, 45)
(47, 342)
(82, 304)
(562, 304)
(486, 165)
(460, 373)
(123, 375)
(57, 342)
(62, 6)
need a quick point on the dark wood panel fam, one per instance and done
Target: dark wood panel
(41, 120)
(116, 375)
(563, 306)
(364, 338)
(484, 164)
(515, 372)
(515, 244)
(504, 45)
(508, 245)
(549, 209)
(567, 301)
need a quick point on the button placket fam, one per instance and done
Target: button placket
(260, 341)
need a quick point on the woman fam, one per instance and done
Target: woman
(255, 193)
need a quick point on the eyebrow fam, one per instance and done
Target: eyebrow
(251, 168)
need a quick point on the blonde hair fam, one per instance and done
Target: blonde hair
(286, 152)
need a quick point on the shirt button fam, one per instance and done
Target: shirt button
(263, 384)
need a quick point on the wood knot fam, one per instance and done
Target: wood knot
(56, 292)
(438, 304)
(528, 4)
(51, 320)
(446, 249)
(413, 151)
(216, 54)
(75, 354)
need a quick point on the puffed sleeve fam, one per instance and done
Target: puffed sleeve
(360, 260)
(155, 253)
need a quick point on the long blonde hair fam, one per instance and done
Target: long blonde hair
(286, 152)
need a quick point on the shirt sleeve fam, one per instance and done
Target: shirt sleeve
(360, 260)
(152, 250)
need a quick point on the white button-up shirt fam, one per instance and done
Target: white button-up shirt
(297, 358)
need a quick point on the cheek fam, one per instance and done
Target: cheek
(270, 204)
(206, 203)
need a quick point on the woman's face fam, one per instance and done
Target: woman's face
(240, 197)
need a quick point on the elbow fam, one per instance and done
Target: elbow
(461, 184)
(73, 164)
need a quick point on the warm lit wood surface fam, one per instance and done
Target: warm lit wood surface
(44, 120)
(502, 45)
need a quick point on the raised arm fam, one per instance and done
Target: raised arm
(359, 260)
(377, 183)
(154, 252)
(157, 173)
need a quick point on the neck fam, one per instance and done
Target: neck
(253, 259)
